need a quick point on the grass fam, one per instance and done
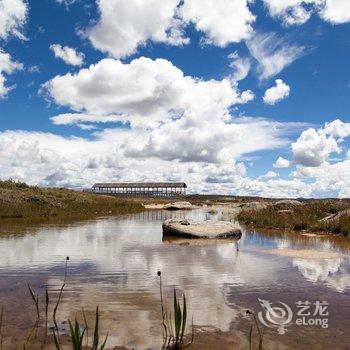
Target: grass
(19, 200)
(79, 336)
(300, 217)
(174, 326)
(174, 329)
(255, 322)
(1, 319)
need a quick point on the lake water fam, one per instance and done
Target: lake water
(114, 263)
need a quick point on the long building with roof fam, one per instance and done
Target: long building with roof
(149, 189)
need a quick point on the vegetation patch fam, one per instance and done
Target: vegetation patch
(306, 217)
(19, 200)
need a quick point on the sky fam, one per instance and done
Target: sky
(240, 97)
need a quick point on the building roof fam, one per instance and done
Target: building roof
(139, 184)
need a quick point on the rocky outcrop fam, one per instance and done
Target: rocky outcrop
(178, 206)
(208, 229)
(337, 216)
(253, 206)
(288, 202)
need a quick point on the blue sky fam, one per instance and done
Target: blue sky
(189, 116)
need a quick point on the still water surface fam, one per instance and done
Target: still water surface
(114, 263)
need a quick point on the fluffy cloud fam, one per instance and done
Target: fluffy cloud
(269, 175)
(299, 11)
(144, 91)
(125, 25)
(52, 160)
(313, 148)
(7, 66)
(68, 54)
(273, 53)
(311, 156)
(13, 15)
(281, 163)
(178, 124)
(168, 115)
(276, 93)
(336, 11)
(222, 21)
(337, 129)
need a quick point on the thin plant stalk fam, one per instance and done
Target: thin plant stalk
(260, 332)
(60, 294)
(47, 302)
(56, 341)
(96, 341)
(87, 329)
(165, 328)
(32, 334)
(35, 298)
(1, 320)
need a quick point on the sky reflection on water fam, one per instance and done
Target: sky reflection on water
(114, 262)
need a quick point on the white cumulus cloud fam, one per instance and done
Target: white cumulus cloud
(13, 16)
(276, 93)
(282, 163)
(222, 21)
(337, 129)
(144, 90)
(7, 66)
(126, 25)
(297, 12)
(166, 114)
(68, 54)
(314, 146)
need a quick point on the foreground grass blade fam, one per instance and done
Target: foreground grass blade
(1, 319)
(35, 299)
(57, 343)
(184, 319)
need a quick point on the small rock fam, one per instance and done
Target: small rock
(212, 211)
(178, 206)
(185, 222)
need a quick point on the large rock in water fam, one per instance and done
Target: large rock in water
(201, 229)
(178, 206)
